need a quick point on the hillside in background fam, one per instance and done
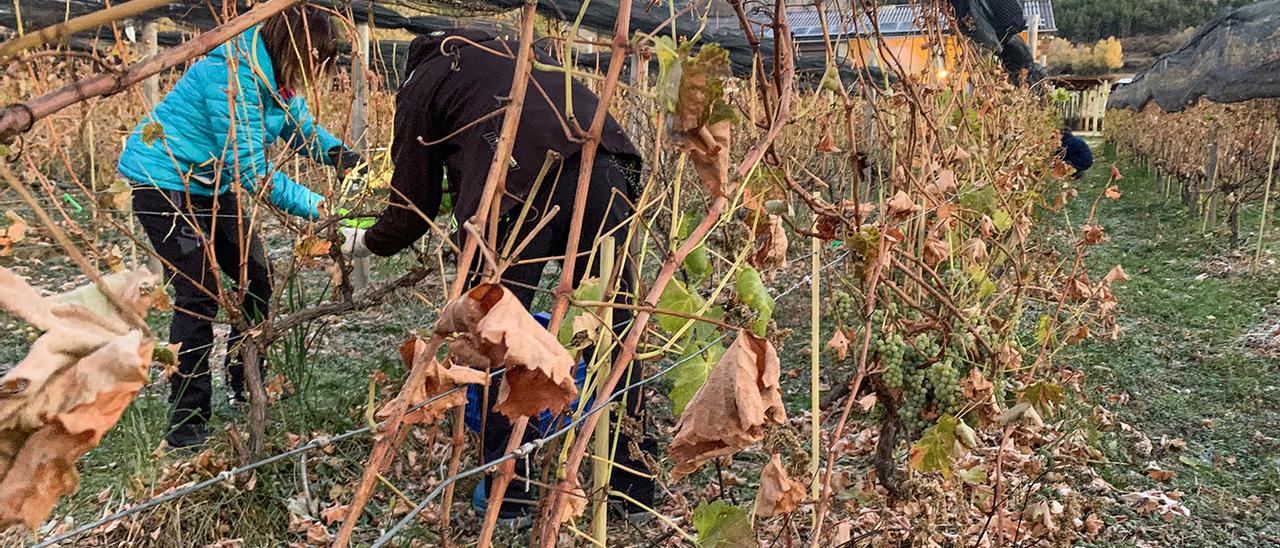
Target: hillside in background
(1147, 28)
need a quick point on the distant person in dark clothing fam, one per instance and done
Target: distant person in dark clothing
(448, 118)
(1075, 152)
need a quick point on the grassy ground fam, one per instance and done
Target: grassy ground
(1182, 369)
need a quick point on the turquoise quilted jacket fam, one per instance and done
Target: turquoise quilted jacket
(210, 141)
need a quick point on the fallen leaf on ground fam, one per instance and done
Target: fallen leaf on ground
(440, 379)
(1093, 525)
(1161, 475)
(728, 413)
(490, 328)
(778, 493)
(334, 514)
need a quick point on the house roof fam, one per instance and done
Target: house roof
(895, 20)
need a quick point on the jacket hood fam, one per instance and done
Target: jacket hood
(428, 46)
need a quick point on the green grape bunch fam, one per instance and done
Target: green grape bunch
(891, 350)
(842, 309)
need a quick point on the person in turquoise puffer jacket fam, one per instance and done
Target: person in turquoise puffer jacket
(195, 163)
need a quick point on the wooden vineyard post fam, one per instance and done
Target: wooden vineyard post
(359, 128)
(1208, 206)
(151, 86)
(1266, 198)
(151, 94)
(1033, 36)
(815, 370)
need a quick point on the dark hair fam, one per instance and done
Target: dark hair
(302, 43)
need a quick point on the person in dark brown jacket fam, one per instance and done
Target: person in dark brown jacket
(447, 121)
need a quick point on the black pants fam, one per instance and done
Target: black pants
(197, 244)
(607, 210)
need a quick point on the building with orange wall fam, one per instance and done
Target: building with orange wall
(903, 43)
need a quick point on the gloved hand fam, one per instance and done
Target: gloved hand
(344, 159)
(357, 222)
(353, 243)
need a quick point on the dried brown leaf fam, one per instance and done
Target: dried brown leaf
(1092, 234)
(1117, 274)
(708, 149)
(490, 328)
(771, 253)
(778, 493)
(729, 412)
(58, 402)
(936, 251)
(839, 344)
(900, 205)
(440, 379)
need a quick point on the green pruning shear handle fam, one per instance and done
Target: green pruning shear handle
(358, 222)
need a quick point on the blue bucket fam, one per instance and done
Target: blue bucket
(545, 422)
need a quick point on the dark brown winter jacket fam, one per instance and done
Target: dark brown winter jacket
(456, 78)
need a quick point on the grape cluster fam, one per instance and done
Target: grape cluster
(842, 307)
(956, 280)
(928, 382)
(915, 397)
(944, 379)
(891, 350)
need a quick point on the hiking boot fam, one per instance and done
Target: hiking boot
(187, 435)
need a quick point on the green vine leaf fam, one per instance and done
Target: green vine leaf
(751, 292)
(936, 447)
(589, 289)
(698, 262)
(690, 375)
(677, 298)
(722, 525)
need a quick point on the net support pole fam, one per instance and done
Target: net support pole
(151, 95)
(1266, 198)
(151, 86)
(1033, 36)
(602, 466)
(359, 127)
